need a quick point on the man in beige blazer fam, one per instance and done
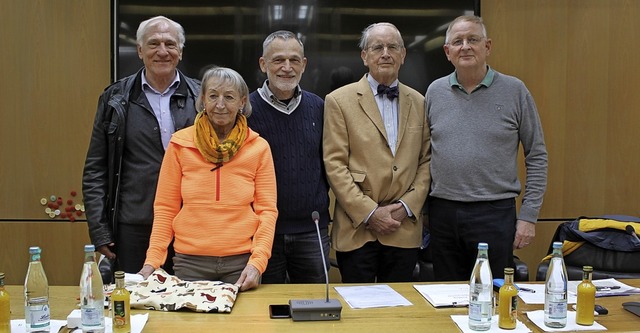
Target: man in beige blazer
(376, 148)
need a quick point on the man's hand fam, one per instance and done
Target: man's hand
(249, 278)
(400, 213)
(382, 220)
(525, 233)
(106, 251)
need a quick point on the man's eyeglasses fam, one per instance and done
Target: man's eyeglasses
(473, 41)
(379, 48)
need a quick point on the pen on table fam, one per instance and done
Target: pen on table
(607, 287)
(527, 290)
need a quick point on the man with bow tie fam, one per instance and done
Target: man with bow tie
(376, 148)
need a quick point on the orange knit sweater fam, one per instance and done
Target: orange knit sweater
(228, 211)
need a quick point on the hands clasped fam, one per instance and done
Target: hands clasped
(387, 219)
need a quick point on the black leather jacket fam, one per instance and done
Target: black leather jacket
(102, 175)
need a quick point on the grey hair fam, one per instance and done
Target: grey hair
(225, 75)
(282, 34)
(145, 25)
(466, 18)
(364, 39)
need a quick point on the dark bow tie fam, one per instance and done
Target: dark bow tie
(391, 92)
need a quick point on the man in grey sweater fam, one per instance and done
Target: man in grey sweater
(478, 118)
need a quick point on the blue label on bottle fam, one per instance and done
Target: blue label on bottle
(39, 316)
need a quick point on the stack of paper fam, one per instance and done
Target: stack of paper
(443, 295)
(606, 287)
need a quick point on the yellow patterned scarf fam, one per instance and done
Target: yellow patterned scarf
(210, 146)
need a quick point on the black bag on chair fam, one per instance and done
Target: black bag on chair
(610, 244)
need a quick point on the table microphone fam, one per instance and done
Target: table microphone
(316, 309)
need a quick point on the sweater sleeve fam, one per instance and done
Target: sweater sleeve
(535, 157)
(265, 207)
(166, 206)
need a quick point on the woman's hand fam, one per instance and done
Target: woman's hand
(146, 271)
(249, 278)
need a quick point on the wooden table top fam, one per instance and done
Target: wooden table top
(251, 312)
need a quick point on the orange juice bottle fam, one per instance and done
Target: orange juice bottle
(586, 298)
(120, 306)
(5, 313)
(508, 302)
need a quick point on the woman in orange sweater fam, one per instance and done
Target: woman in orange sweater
(216, 193)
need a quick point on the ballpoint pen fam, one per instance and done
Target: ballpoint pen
(601, 288)
(527, 290)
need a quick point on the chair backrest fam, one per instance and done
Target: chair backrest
(606, 244)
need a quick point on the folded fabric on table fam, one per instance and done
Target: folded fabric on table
(164, 292)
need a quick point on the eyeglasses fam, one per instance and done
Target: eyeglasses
(473, 41)
(379, 48)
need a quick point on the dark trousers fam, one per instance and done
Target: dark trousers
(374, 262)
(456, 229)
(132, 242)
(296, 258)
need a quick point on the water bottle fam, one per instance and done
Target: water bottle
(555, 290)
(91, 294)
(36, 295)
(481, 292)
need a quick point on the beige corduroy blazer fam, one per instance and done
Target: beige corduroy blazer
(362, 171)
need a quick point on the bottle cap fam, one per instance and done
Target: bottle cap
(89, 248)
(1, 276)
(587, 268)
(119, 274)
(483, 246)
(508, 270)
(34, 250)
(557, 245)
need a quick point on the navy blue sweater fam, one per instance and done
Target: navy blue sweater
(296, 146)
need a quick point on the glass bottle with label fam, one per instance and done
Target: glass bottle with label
(508, 302)
(555, 290)
(120, 306)
(5, 308)
(481, 291)
(586, 302)
(36, 295)
(91, 293)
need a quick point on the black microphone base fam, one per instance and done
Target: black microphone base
(315, 309)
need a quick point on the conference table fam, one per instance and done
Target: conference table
(251, 312)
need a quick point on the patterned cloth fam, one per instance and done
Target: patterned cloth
(164, 292)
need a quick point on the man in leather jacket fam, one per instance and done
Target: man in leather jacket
(135, 119)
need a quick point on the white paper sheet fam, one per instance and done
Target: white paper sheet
(463, 323)
(537, 317)
(618, 288)
(137, 324)
(376, 296)
(443, 295)
(19, 326)
(538, 296)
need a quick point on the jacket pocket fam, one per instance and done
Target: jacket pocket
(358, 176)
